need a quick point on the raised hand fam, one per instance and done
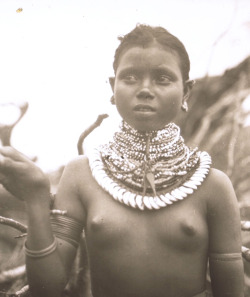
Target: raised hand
(20, 176)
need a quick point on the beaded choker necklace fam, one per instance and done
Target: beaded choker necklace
(148, 169)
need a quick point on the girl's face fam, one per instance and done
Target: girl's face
(148, 87)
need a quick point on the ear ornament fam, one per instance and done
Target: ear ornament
(184, 106)
(112, 100)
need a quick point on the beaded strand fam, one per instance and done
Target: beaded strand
(149, 164)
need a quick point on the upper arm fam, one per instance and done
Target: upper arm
(68, 199)
(226, 267)
(68, 196)
(223, 215)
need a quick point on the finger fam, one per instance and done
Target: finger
(2, 161)
(7, 164)
(10, 152)
(4, 181)
(2, 178)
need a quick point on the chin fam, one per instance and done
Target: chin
(147, 126)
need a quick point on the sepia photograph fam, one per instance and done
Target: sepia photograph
(125, 148)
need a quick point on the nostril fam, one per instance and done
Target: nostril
(145, 94)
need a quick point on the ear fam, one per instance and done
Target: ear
(112, 83)
(188, 85)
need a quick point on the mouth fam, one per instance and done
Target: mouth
(144, 108)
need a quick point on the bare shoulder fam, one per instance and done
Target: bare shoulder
(219, 186)
(218, 179)
(68, 195)
(220, 193)
(78, 165)
(222, 213)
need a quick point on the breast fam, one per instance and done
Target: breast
(109, 226)
(185, 229)
(180, 227)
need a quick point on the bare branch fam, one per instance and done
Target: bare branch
(12, 223)
(5, 131)
(22, 291)
(212, 112)
(85, 133)
(12, 274)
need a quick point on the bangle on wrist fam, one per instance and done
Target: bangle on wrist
(43, 252)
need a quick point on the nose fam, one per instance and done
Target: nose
(145, 91)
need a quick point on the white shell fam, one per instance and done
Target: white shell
(200, 175)
(197, 182)
(126, 198)
(165, 198)
(171, 197)
(197, 179)
(136, 200)
(190, 184)
(131, 199)
(115, 193)
(186, 190)
(204, 166)
(139, 203)
(159, 202)
(153, 203)
(176, 194)
(106, 185)
(147, 202)
(179, 192)
(120, 194)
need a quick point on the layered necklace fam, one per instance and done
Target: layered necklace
(148, 169)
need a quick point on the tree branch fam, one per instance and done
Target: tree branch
(86, 132)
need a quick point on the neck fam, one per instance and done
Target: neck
(141, 166)
(154, 145)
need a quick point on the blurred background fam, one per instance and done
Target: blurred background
(57, 55)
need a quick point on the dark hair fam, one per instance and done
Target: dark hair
(144, 35)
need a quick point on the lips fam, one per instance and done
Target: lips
(144, 108)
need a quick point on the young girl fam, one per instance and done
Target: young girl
(152, 209)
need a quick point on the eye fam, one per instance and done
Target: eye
(130, 78)
(163, 79)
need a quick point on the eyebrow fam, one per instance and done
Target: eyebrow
(160, 68)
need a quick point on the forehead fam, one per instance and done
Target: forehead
(153, 56)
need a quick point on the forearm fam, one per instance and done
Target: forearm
(227, 276)
(46, 275)
(48, 264)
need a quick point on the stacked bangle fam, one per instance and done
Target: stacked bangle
(66, 228)
(41, 253)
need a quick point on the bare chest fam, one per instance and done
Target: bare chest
(181, 226)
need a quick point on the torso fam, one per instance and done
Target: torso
(145, 253)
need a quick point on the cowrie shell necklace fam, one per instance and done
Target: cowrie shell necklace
(148, 170)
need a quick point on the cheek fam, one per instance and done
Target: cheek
(173, 99)
(121, 92)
